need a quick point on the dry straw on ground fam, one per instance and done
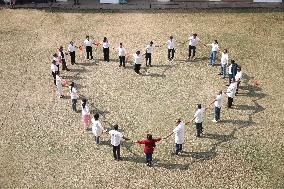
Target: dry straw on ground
(42, 145)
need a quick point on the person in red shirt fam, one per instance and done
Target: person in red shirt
(149, 147)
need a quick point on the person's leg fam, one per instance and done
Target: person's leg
(74, 101)
(114, 149)
(189, 51)
(118, 152)
(120, 61)
(74, 57)
(201, 128)
(177, 148)
(91, 53)
(147, 57)
(214, 57)
(211, 57)
(215, 113)
(147, 158)
(193, 51)
(138, 68)
(150, 59)
(105, 54)
(219, 114)
(108, 54)
(198, 130)
(97, 139)
(238, 84)
(150, 159)
(180, 147)
(173, 53)
(88, 52)
(169, 54)
(54, 77)
(230, 102)
(230, 78)
(123, 61)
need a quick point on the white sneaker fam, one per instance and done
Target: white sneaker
(214, 120)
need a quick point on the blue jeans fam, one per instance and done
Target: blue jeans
(178, 148)
(149, 157)
(217, 112)
(213, 57)
(223, 70)
(97, 139)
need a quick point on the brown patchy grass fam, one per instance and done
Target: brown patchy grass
(43, 147)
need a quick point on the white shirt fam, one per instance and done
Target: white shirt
(115, 137)
(56, 60)
(224, 58)
(73, 93)
(239, 76)
(106, 44)
(88, 42)
(192, 41)
(231, 91)
(86, 110)
(179, 133)
(137, 58)
(58, 78)
(121, 51)
(150, 49)
(230, 69)
(171, 44)
(219, 100)
(71, 48)
(215, 46)
(97, 128)
(53, 68)
(59, 55)
(198, 115)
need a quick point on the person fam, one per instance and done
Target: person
(59, 85)
(76, 2)
(71, 48)
(224, 63)
(56, 59)
(179, 135)
(137, 62)
(86, 117)
(97, 128)
(238, 78)
(54, 69)
(231, 91)
(217, 106)
(121, 55)
(149, 147)
(89, 49)
(116, 138)
(232, 70)
(193, 42)
(198, 117)
(106, 49)
(62, 58)
(171, 48)
(74, 96)
(149, 52)
(214, 50)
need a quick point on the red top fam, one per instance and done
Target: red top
(149, 144)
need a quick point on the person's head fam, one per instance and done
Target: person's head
(71, 42)
(220, 92)
(96, 116)
(84, 102)
(54, 62)
(225, 51)
(149, 137)
(171, 37)
(151, 43)
(199, 106)
(87, 37)
(215, 41)
(239, 68)
(55, 55)
(105, 39)
(115, 127)
(137, 52)
(232, 61)
(61, 48)
(120, 44)
(194, 35)
(72, 84)
(178, 121)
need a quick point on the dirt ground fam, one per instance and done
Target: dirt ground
(43, 146)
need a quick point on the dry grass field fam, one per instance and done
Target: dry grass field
(43, 146)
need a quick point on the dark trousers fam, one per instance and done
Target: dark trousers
(89, 51)
(64, 66)
(76, 2)
(217, 112)
(230, 102)
(230, 78)
(74, 102)
(171, 54)
(54, 77)
(193, 49)
(106, 54)
(72, 55)
(148, 57)
(199, 129)
(122, 61)
(116, 152)
(149, 158)
(58, 68)
(178, 148)
(238, 84)
(137, 68)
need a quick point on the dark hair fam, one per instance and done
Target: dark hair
(61, 47)
(115, 127)
(120, 44)
(84, 103)
(239, 68)
(71, 42)
(195, 34)
(151, 42)
(178, 120)
(149, 137)
(199, 106)
(53, 62)
(232, 61)
(87, 36)
(96, 116)
(171, 37)
(71, 86)
(137, 52)
(105, 39)
(226, 50)
(216, 41)
(55, 54)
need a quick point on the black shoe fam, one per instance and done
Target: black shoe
(150, 65)
(67, 70)
(219, 73)
(119, 65)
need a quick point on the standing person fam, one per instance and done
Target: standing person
(97, 128)
(231, 91)
(74, 96)
(213, 55)
(224, 63)
(171, 48)
(116, 138)
(59, 85)
(62, 58)
(106, 49)
(149, 51)
(149, 147)
(233, 68)
(71, 48)
(121, 55)
(179, 135)
(198, 116)
(239, 77)
(217, 106)
(86, 117)
(56, 59)
(54, 69)
(137, 62)
(76, 2)
(193, 42)
(89, 49)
